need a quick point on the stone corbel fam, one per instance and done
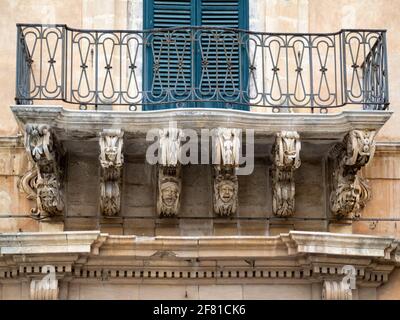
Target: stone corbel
(225, 191)
(169, 181)
(46, 288)
(43, 181)
(349, 191)
(111, 163)
(336, 290)
(286, 159)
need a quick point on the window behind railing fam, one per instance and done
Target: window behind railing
(202, 66)
(196, 63)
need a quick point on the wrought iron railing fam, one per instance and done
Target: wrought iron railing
(202, 66)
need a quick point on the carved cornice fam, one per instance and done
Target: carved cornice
(349, 191)
(111, 163)
(44, 180)
(295, 257)
(286, 159)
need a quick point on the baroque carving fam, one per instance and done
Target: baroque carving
(28, 181)
(227, 147)
(286, 159)
(170, 146)
(169, 191)
(225, 188)
(44, 180)
(46, 288)
(225, 194)
(336, 290)
(111, 162)
(350, 192)
(169, 182)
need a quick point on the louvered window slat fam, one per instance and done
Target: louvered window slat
(216, 63)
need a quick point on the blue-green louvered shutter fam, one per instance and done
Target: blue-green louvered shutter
(227, 65)
(223, 13)
(167, 70)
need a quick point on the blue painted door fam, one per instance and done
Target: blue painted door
(220, 73)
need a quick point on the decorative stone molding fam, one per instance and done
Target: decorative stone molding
(170, 146)
(111, 162)
(286, 159)
(336, 290)
(74, 123)
(225, 194)
(295, 257)
(227, 147)
(27, 183)
(169, 181)
(349, 191)
(169, 191)
(46, 288)
(225, 188)
(44, 180)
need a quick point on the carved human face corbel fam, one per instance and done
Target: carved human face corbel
(169, 190)
(225, 194)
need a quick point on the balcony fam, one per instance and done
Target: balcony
(99, 91)
(202, 67)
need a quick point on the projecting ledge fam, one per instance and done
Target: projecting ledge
(284, 245)
(88, 123)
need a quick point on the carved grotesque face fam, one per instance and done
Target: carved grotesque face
(111, 153)
(226, 192)
(48, 196)
(169, 194)
(349, 197)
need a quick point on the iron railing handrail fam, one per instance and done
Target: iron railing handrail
(164, 62)
(198, 27)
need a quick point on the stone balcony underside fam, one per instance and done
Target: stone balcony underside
(71, 124)
(79, 130)
(295, 257)
(312, 136)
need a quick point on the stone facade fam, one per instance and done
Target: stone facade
(79, 199)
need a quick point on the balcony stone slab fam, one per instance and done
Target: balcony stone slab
(87, 123)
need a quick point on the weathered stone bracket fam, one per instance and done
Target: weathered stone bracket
(111, 162)
(349, 191)
(44, 180)
(169, 180)
(225, 190)
(286, 159)
(336, 290)
(225, 194)
(169, 191)
(46, 288)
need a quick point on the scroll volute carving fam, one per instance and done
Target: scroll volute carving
(350, 192)
(336, 290)
(225, 186)
(286, 159)
(44, 180)
(111, 162)
(46, 288)
(169, 180)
